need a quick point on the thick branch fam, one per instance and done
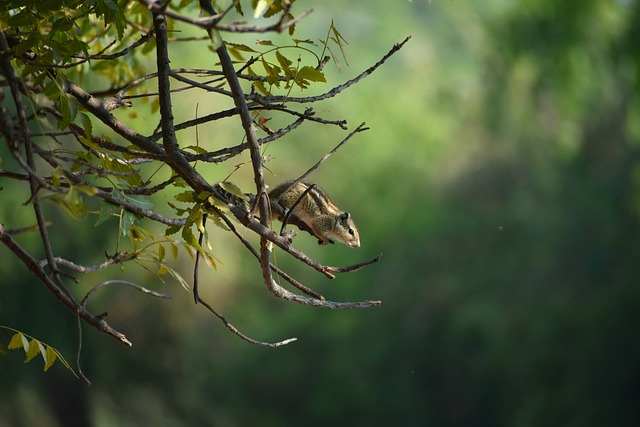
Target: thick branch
(98, 108)
(175, 159)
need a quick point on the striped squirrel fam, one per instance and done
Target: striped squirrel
(314, 213)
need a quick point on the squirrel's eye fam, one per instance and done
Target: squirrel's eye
(351, 231)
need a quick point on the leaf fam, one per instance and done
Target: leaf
(57, 173)
(257, 83)
(172, 230)
(64, 107)
(3, 350)
(174, 250)
(87, 125)
(307, 41)
(161, 252)
(233, 189)
(180, 279)
(87, 189)
(186, 197)
(261, 7)
(241, 47)
(126, 221)
(25, 342)
(50, 356)
(190, 238)
(142, 202)
(106, 211)
(285, 63)
(203, 196)
(16, 341)
(196, 149)
(210, 260)
(310, 73)
(34, 349)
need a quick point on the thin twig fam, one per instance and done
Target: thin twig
(333, 92)
(125, 283)
(360, 128)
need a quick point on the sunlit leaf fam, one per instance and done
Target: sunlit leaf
(261, 7)
(33, 350)
(16, 341)
(87, 189)
(50, 357)
(190, 238)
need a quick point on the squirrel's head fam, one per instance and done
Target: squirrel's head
(345, 230)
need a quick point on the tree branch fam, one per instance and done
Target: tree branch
(33, 266)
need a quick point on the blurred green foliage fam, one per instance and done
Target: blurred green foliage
(500, 180)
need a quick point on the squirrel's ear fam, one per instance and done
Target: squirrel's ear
(345, 215)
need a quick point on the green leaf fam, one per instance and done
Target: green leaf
(285, 63)
(186, 197)
(161, 252)
(307, 41)
(126, 221)
(57, 173)
(190, 238)
(64, 107)
(172, 230)
(106, 211)
(230, 187)
(310, 73)
(196, 149)
(141, 202)
(86, 125)
(240, 47)
(174, 250)
(3, 350)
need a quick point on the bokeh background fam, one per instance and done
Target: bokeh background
(500, 180)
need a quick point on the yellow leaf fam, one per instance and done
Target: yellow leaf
(16, 341)
(50, 356)
(33, 350)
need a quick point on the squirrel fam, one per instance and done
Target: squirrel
(314, 213)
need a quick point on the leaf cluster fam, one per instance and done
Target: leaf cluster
(32, 347)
